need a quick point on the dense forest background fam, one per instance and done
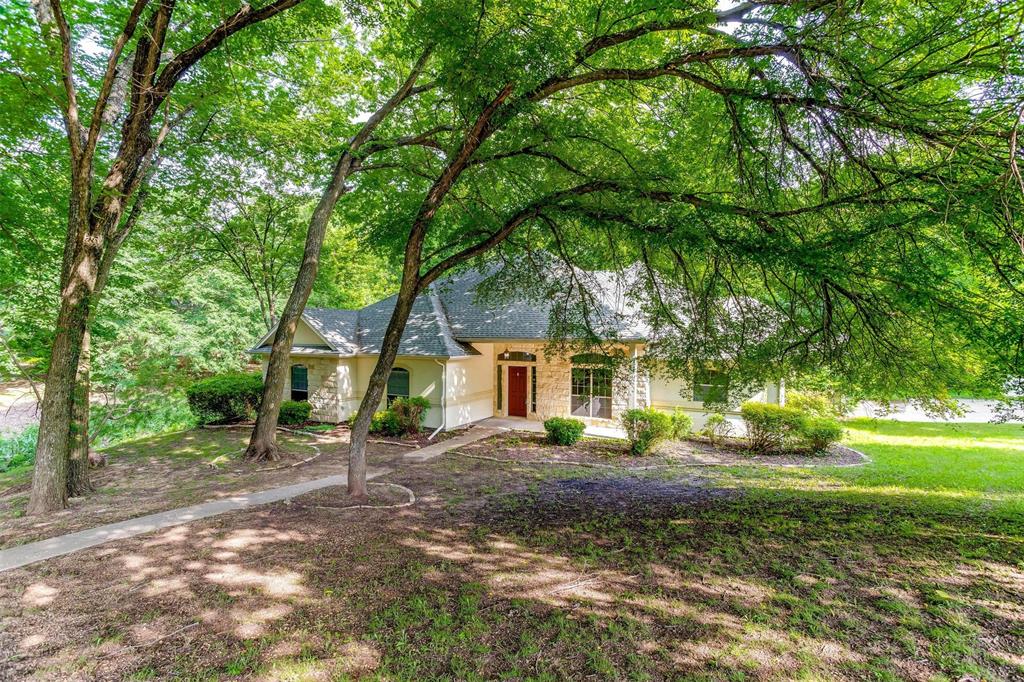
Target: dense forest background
(215, 250)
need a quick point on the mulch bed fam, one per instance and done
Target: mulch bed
(572, 500)
(525, 447)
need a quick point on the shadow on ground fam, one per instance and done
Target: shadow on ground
(538, 574)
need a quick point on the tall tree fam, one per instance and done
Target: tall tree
(259, 238)
(263, 442)
(740, 133)
(145, 67)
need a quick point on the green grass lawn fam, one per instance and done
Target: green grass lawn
(910, 567)
(968, 461)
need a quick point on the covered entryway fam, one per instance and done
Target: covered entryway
(517, 391)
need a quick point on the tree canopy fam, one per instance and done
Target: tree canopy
(790, 186)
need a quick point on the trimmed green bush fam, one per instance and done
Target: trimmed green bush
(225, 398)
(294, 412)
(564, 431)
(817, 433)
(645, 428)
(770, 426)
(716, 427)
(410, 413)
(383, 423)
(682, 424)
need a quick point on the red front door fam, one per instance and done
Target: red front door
(517, 391)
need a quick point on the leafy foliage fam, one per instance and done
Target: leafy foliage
(564, 431)
(225, 398)
(294, 412)
(813, 403)
(646, 428)
(771, 426)
(18, 449)
(716, 427)
(817, 433)
(682, 424)
(410, 413)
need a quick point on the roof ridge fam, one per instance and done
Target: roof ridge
(442, 318)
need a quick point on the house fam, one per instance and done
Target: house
(473, 360)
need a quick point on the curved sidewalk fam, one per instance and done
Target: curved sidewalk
(31, 552)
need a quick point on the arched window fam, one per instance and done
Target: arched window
(398, 384)
(517, 356)
(300, 383)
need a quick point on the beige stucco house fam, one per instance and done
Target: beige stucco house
(474, 360)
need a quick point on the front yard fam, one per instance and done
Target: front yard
(910, 567)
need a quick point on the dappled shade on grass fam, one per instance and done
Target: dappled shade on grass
(531, 573)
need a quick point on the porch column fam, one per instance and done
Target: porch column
(636, 377)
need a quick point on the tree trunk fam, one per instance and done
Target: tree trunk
(379, 377)
(263, 444)
(78, 462)
(49, 479)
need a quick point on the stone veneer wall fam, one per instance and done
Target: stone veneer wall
(554, 384)
(323, 387)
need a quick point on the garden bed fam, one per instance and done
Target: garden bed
(530, 446)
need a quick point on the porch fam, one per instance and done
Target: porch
(534, 426)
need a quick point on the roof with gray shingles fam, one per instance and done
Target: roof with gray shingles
(446, 317)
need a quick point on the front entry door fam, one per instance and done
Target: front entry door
(517, 391)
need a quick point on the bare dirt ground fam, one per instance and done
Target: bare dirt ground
(18, 407)
(550, 573)
(178, 470)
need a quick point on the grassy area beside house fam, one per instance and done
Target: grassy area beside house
(908, 568)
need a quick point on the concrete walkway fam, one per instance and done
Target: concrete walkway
(479, 432)
(519, 424)
(32, 552)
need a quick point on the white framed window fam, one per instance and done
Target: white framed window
(591, 392)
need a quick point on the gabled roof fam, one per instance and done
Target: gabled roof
(452, 313)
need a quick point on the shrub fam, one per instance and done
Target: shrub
(817, 433)
(770, 426)
(383, 423)
(18, 449)
(811, 403)
(410, 413)
(225, 398)
(294, 412)
(645, 428)
(716, 427)
(682, 424)
(564, 431)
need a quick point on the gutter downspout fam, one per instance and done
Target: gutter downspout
(444, 402)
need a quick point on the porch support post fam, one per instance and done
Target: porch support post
(636, 377)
